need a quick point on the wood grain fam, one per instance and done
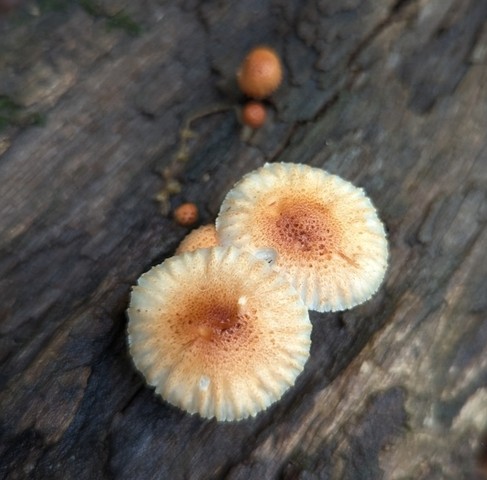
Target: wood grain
(390, 95)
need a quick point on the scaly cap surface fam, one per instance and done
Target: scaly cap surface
(202, 237)
(319, 230)
(218, 332)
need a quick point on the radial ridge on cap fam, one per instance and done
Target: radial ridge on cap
(218, 332)
(328, 238)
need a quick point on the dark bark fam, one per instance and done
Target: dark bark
(390, 95)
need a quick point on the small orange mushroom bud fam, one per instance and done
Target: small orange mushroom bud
(254, 114)
(260, 73)
(186, 214)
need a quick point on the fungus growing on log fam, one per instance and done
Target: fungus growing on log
(186, 214)
(218, 332)
(319, 230)
(260, 73)
(203, 237)
(254, 114)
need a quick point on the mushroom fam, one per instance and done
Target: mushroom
(254, 114)
(260, 73)
(186, 214)
(218, 332)
(203, 237)
(319, 230)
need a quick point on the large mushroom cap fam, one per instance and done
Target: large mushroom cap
(218, 332)
(316, 228)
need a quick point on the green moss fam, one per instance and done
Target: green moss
(53, 5)
(9, 111)
(118, 21)
(123, 22)
(92, 8)
(12, 114)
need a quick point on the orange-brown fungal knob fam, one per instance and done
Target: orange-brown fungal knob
(254, 114)
(218, 332)
(186, 214)
(316, 228)
(260, 73)
(203, 237)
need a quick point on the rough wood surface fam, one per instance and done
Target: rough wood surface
(391, 95)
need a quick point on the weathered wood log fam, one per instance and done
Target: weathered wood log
(390, 95)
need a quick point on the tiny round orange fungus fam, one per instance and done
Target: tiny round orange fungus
(260, 73)
(186, 214)
(254, 114)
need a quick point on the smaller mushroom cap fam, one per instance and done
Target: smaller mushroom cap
(254, 114)
(260, 73)
(186, 214)
(218, 332)
(316, 228)
(202, 237)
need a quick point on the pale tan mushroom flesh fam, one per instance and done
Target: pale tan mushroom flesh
(218, 332)
(320, 231)
(202, 237)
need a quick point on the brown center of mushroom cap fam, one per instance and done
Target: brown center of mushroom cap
(208, 319)
(216, 321)
(304, 228)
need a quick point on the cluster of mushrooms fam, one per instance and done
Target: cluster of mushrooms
(259, 75)
(222, 328)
